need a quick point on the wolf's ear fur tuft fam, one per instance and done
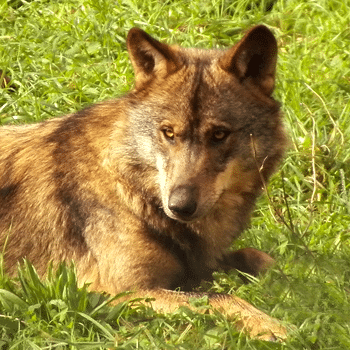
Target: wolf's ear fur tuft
(148, 56)
(254, 58)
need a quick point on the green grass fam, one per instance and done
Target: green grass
(63, 55)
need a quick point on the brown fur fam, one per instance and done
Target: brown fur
(148, 192)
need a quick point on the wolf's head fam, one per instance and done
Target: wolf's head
(205, 119)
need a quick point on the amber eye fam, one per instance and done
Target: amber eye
(220, 135)
(168, 133)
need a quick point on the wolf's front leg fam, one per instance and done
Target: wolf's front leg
(249, 319)
(246, 317)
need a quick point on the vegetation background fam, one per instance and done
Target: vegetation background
(64, 55)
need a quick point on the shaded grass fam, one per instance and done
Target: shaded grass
(65, 55)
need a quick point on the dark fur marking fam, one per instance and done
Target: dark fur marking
(7, 199)
(197, 86)
(8, 189)
(67, 129)
(8, 192)
(186, 255)
(76, 216)
(75, 209)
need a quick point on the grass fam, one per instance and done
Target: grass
(63, 55)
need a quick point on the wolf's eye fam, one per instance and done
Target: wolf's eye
(168, 133)
(220, 135)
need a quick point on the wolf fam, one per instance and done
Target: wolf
(147, 193)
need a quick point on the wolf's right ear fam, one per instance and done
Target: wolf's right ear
(149, 57)
(253, 59)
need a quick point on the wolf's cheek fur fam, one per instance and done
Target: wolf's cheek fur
(162, 180)
(235, 178)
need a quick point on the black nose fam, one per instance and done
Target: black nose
(183, 201)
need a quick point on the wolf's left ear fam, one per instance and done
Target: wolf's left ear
(149, 57)
(254, 58)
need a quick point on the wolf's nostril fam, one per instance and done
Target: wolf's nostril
(183, 201)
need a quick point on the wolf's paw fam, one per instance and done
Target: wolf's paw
(264, 328)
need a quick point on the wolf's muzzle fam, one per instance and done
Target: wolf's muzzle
(183, 201)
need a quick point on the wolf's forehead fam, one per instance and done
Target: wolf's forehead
(200, 89)
(204, 77)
